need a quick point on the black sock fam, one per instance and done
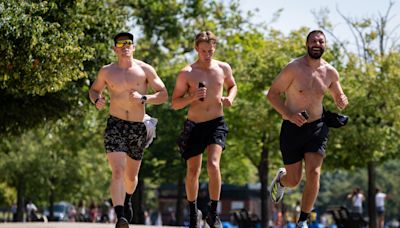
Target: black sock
(193, 207)
(303, 216)
(127, 198)
(213, 206)
(119, 210)
(128, 210)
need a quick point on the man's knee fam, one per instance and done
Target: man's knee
(132, 178)
(292, 179)
(193, 173)
(212, 166)
(313, 174)
(118, 172)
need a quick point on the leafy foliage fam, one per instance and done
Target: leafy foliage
(49, 48)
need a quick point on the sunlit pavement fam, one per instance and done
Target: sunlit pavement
(68, 225)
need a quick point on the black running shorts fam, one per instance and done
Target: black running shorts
(125, 136)
(296, 141)
(195, 137)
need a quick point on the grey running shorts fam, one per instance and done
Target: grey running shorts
(125, 136)
(295, 141)
(195, 137)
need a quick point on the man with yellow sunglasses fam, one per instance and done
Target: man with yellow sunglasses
(125, 136)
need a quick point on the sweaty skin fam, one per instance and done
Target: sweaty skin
(126, 87)
(215, 75)
(127, 81)
(304, 81)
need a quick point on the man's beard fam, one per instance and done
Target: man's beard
(315, 55)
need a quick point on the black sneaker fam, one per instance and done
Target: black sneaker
(195, 220)
(128, 211)
(122, 223)
(213, 221)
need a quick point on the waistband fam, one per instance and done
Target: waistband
(111, 117)
(208, 122)
(304, 125)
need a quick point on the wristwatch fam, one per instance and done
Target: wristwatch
(143, 99)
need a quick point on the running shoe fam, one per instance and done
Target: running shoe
(195, 219)
(302, 224)
(276, 189)
(213, 221)
(122, 223)
(128, 211)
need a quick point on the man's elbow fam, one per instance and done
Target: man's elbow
(174, 105)
(164, 96)
(269, 95)
(161, 97)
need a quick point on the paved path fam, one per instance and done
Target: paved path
(68, 225)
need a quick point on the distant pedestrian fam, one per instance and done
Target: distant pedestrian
(357, 199)
(31, 210)
(380, 207)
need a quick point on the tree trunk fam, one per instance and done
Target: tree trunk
(371, 195)
(20, 202)
(179, 201)
(263, 175)
(51, 207)
(53, 184)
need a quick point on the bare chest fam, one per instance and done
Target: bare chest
(308, 81)
(126, 79)
(213, 79)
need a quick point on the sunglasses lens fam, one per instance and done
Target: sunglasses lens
(121, 43)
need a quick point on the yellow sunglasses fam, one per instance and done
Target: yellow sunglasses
(121, 43)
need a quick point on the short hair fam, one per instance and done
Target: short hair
(129, 35)
(315, 31)
(205, 36)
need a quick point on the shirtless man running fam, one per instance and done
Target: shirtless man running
(304, 135)
(200, 86)
(125, 136)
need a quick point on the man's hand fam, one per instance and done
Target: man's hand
(226, 102)
(135, 96)
(342, 101)
(201, 93)
(100, 103)
(296, 118)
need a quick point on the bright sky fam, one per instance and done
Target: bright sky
(297, 13)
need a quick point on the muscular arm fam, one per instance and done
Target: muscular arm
(337, 92)
(179, 100)
(279, 86)
(230, 86)
(161, 95)
(96, 90)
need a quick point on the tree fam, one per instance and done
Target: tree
(50, 48)
(53, 163)
(373, 130)
(50, 51)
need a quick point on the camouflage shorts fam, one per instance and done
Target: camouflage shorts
(125, 136)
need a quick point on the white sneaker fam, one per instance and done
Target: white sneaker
(276, 190)
(302, 224)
